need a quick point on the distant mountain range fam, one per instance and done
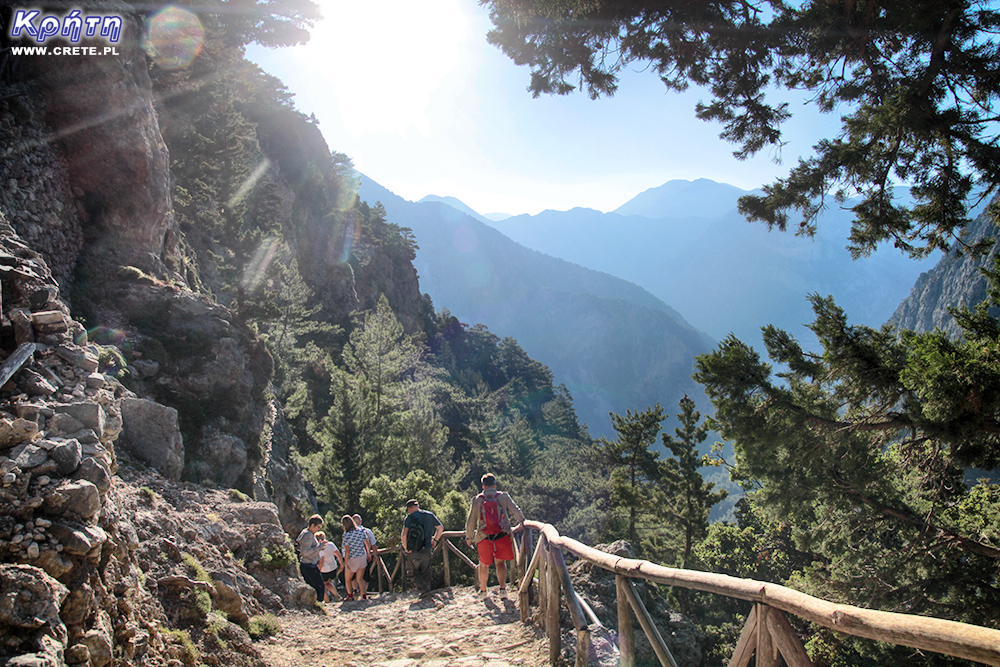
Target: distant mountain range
(613, 344)
(686, 243)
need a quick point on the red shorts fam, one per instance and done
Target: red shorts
(498, 549)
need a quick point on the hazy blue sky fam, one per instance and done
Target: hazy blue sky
(411, 91)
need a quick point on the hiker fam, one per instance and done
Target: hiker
(488, 527)
(372, 560)
(309, 555)
(330, 564)
(421, 533)
(356, 553)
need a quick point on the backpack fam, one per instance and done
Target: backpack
(490, 514)
(415, 537)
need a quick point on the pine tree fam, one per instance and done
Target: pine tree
(688, 498)
(632, 463)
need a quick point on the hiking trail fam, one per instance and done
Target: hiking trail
(451, 627)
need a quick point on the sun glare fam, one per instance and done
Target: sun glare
(382, 59)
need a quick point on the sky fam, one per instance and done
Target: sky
(412, 92)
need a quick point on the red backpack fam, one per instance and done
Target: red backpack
(490, 514)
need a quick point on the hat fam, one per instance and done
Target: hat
(412, 502)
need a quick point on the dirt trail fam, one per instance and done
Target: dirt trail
(451, 627)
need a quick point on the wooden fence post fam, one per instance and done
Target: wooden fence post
(552, 596)
(447, 565)
(747, 642)
(525, 589)
(626, 638)
(765, 646)
(646, 621)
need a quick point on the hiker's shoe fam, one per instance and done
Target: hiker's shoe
(502, 591)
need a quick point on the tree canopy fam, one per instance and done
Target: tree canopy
(917, 84)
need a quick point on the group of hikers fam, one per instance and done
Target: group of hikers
(488, 527)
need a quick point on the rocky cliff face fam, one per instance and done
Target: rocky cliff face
(103, 560)
(85, 181)
(956, 280)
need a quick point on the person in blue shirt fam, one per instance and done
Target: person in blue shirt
(427, 528)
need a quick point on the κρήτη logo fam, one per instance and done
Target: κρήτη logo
(73, 26)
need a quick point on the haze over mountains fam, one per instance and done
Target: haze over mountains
(686, 243)
(663, 269)
(613, 344)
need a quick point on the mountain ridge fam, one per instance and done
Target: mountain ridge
(614, 345)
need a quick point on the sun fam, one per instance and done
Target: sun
(383, 59)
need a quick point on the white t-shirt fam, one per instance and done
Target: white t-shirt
(329, 555)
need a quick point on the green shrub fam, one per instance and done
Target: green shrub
(189, 652)
(203, 603)
(277, 557)
(239, 496)
(217, 622)
(262, 627)
(198, 571)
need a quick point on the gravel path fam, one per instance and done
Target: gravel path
(451, 627)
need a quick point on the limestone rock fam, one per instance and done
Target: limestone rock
(29, 609)
(154, 435)
(98, 641)
(254, 513)
(15, 431)
(88, 413)
(80, 497)
(228, 599)
(79, 540)
(222, 458)
(96, 471)
(66, 455)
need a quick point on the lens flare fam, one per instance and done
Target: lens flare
(106, 336)
(254, 274)
(173, 37)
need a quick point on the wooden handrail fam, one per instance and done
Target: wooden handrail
(961, 640)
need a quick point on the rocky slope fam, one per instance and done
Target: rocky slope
(103, 560)
(955, 279)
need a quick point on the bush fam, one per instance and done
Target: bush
(277, 557)
(188, 652)
(198, 571)
(262, 627)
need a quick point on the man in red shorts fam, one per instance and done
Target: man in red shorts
(489, 528)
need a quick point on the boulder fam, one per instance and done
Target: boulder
(16, 431)
(228, 600)
(29, 612)
(98, 640)
(95, 471)
(87, 413)
(255, 513)
(79, 497)
(152, 432)
(78, 540)
(67, 455)
(222, 458)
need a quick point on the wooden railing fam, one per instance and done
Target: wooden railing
(767, 631)
(386, 580)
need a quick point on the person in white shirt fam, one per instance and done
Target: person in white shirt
(331, 564)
